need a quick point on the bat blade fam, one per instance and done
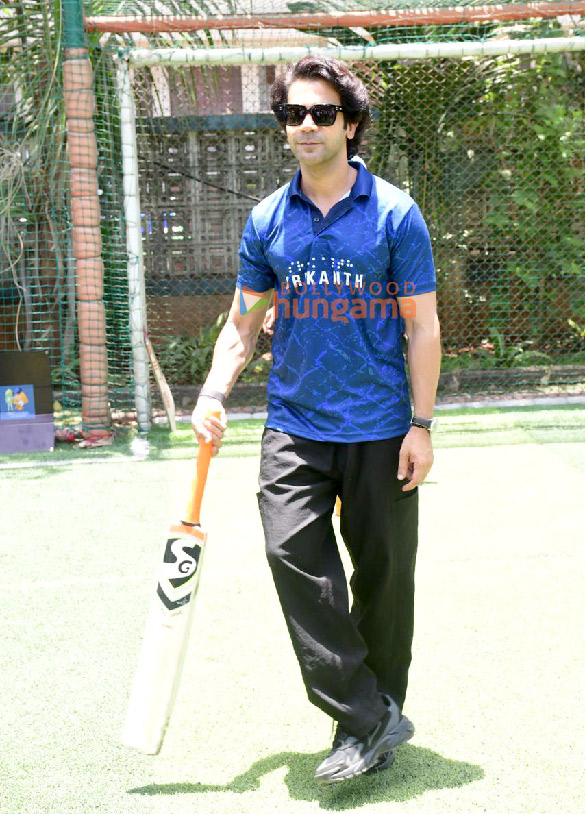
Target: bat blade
(166, 636)
(165, 640)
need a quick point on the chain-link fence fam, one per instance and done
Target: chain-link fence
(492, 150)
(491, 146)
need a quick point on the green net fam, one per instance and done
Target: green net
(37, 300)
(491, 146)
(51, 229)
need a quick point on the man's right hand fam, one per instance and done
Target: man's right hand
(209, 429)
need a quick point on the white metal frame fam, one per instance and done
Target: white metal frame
(142, 57)
(158, 57)
(136, 284)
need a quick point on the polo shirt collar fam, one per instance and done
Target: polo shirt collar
(361, 187)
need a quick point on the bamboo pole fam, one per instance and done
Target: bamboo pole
(85, 229)
(368, 19)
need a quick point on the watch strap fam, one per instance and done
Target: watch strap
(424, 423)
(207, 392)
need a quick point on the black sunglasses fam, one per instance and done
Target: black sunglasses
(293, 115)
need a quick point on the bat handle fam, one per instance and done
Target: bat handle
(193, 511)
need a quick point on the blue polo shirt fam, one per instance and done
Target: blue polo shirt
(338, 368)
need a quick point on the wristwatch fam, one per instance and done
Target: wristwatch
(206, 392)
(429, 424)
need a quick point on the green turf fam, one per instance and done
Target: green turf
(458, 428)
(496, 691)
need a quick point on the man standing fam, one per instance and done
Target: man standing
(349, 260)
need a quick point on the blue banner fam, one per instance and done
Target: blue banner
(17, 401)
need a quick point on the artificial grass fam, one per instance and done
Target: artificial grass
(458, 428)
(494, 690)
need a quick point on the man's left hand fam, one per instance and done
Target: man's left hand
(416, 457)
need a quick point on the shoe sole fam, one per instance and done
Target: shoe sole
(403, 732)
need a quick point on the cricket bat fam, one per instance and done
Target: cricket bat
(169, 622)
(164, 389)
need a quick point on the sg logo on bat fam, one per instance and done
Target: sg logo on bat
(178, 576)
(180, 560)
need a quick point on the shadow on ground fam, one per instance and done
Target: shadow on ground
(416, 771)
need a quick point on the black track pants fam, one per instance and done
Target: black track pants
(347, 659)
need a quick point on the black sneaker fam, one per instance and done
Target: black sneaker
(385, 760)
(335, 760)
(354, 756)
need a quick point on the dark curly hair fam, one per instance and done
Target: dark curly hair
(351, 90)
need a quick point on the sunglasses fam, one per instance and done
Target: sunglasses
(293, 115)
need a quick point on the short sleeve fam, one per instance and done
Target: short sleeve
(411, 255)
(255, 273)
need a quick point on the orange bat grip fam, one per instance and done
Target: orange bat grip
(193, 511)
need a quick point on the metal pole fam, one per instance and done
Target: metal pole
(141, 57)
(136, 284)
